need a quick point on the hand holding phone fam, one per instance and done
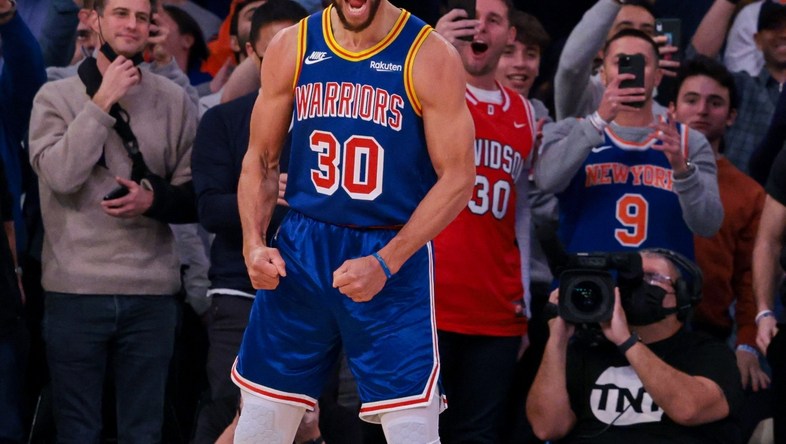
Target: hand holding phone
(469, 7)
(671, 28)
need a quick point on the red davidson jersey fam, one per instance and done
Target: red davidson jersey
(479, 287)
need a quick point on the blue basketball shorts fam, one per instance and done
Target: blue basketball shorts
(295, 332)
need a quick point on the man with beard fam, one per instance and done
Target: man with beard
(381, 161)
(482, 257)
(650, 380)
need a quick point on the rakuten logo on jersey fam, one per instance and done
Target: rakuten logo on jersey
(385, 67)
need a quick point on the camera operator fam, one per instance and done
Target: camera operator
(652, 381)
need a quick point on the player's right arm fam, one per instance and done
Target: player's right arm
(258, 185)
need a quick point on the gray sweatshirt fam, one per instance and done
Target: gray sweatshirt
(566, 144)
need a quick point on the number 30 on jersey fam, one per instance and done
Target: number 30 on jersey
(357, 165)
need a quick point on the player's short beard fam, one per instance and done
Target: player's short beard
(373, 6)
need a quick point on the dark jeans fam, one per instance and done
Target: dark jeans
(227, 320)
(134, 337)
(477, 372)
(517, 429)
(13, 353)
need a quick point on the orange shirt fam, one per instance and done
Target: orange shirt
(725, 258)
(219, 48)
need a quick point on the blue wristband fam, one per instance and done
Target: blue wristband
(382, 264)
(748, 348)
(763, 314)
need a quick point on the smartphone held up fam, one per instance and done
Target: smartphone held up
(671, 28)
(632, 64)
(469, 7)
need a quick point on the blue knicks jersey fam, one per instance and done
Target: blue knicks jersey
(622, 198)
(359, 153)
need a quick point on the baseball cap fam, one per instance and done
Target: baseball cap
(772, 13)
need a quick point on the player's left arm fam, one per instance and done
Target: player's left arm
(440, 86)
(450, 135)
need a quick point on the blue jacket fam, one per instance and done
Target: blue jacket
(23, 74)
(220, 145)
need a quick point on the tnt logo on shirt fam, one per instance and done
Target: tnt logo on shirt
(618, 397)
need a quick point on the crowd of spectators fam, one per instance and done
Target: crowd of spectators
(124, 290)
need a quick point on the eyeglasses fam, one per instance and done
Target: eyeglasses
(657, 278)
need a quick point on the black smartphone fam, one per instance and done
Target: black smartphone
(117, 193)
(466, 5)
(632, 64)
(671, 28)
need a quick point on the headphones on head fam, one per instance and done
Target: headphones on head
(688, 286)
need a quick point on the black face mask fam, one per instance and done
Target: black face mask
(644, 306)
(112, 55)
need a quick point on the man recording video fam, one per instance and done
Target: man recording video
(624, 179)
(651, 381)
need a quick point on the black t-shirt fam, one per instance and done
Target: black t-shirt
(612, 406)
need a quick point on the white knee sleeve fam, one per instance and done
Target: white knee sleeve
(418, 425)
(265, 421)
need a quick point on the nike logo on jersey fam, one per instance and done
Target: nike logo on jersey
(599, 149)
(316, 57)
(519, 125)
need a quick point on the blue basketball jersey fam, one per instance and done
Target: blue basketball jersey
(359, 153)
(622, 198)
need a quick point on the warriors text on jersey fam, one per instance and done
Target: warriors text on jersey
(478, 267)
(359, 153)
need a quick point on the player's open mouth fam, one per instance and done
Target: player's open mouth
(356, 6)
(479, 47)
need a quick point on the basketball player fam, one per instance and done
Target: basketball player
(381, 161)
(479, 285)
(625, 179)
